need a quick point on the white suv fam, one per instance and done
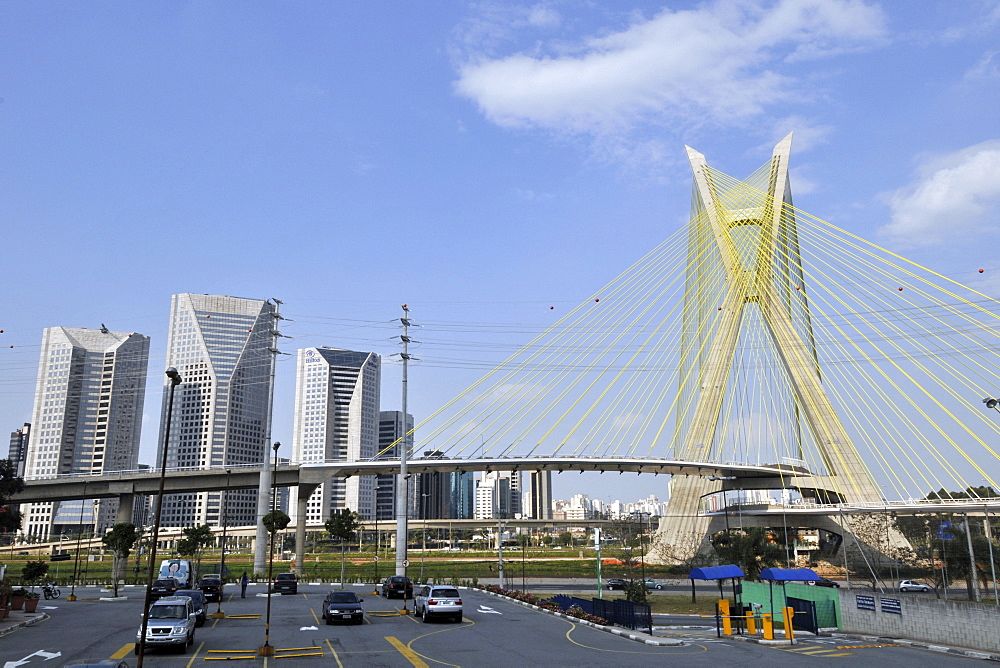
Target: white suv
(913, 585)
(171, 624)
(437, 601)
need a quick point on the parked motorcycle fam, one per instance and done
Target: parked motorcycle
(49, 590)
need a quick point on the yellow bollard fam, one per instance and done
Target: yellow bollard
(789, 631)
(727, 623)
(751, 624)
(768, 623)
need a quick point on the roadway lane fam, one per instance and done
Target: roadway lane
(494, 633)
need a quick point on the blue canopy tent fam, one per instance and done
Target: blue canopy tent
(720, 573)
(784, 575)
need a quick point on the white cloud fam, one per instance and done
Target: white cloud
(988, 67)
(716, 63)
(954, 196)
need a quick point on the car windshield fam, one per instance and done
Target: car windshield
(398, 579)
(164, 583)
(445, 593)
(343, 597)
(167, 612)
(286, 576)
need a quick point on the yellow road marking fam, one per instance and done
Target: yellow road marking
(842, 654)
(407, 653)
(334, 652)
(124, 651)
(314, 616)
(195, 655)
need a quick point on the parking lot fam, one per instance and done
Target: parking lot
(494, 632)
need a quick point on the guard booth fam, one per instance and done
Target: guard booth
(724, 615)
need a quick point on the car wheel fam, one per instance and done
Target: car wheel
(659, 586)
(424, 617)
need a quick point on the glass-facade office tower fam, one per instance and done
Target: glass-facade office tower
(87, 418)
(18, 452)
(390, 430)
(336, 419)
(222, 348)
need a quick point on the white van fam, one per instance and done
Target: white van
(180, 570)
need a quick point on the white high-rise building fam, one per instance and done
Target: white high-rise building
(336, 419)
(498, 495)
(87, 419)
(223, 349)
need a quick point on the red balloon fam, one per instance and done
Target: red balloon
(901, 289)
(720, 308)
(597, 300)
(980, 271)
(796, 287)
(550, 308)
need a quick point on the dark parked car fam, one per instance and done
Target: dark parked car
(164, 587)
(197, 602)
(285, 583)
(397, 585)
(612, 584)
(211, 586)
(825, 582)
(343, 606)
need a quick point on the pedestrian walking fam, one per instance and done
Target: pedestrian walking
(244, 581)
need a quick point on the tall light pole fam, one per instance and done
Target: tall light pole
(403, 501)
(175, 380)
(222, 560)
(267, 649)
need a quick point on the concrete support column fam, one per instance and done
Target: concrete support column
(305, 491)
(263, 508)
(126, 506)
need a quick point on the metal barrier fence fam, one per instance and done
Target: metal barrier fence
(619, 612)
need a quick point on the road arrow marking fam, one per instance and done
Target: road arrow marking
(488, 611)
(42, 653)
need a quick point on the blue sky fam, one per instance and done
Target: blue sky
(481, 162)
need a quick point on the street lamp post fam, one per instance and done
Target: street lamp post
(79, 537)
(222, 559)
(175, 380)
(267, 649)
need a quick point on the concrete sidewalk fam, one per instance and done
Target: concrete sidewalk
(17, 619)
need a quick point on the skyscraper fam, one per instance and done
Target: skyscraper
(336, 419)
(223, 348)
(390, 430)
(18, 452)
(87, 418)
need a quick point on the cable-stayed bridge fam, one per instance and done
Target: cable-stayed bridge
(757, 333)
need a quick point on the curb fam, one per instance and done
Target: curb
(22, 624)
(971, 653)
(623, 633)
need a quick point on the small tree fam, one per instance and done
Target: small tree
(10, 483)
(195, 540)
(34, 571)
(343, 525)
(274, 522)
(565, 538)
(751, 550)
(119, 540)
